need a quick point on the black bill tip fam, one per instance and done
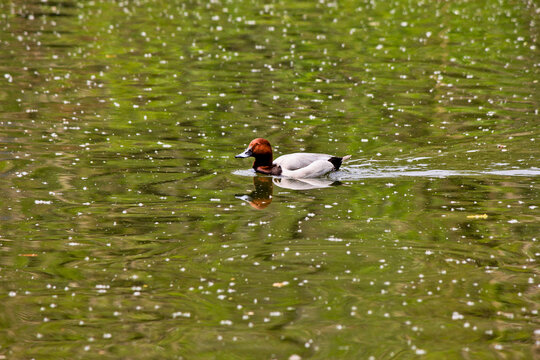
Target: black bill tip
(245, 154)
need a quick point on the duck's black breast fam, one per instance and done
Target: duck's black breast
(276, 170)
(269, 170)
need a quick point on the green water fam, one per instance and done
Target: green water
(129, 230)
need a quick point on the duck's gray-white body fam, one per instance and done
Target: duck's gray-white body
(305, 165)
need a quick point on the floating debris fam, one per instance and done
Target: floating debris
(280, 284)
(477, 216)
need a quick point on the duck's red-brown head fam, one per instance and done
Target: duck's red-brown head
(261, 150)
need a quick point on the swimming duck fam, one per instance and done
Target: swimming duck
(297, 165)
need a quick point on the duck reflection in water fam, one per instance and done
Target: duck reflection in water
(261, 197)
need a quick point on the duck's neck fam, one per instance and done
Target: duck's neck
(263, 161)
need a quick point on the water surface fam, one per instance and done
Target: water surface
(129, 230)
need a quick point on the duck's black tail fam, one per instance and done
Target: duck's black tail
(337, 161)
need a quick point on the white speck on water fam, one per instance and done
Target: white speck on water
(333, 238)
(164, 145)
(12, 294)
(181, 314)
(457, 316)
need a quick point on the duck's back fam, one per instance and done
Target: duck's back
(299, 160)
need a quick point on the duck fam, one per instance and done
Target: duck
(297, 165)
